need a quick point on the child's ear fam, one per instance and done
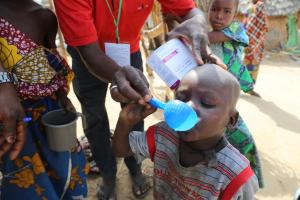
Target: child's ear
(233, 120)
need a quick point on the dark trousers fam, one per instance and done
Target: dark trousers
(91, 93)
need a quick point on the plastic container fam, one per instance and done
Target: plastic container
(178, 115)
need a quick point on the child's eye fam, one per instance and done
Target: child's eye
(207, 105)
(182, 97)
(228, 12)
(213, 9)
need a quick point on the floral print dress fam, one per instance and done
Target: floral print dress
(38, 172)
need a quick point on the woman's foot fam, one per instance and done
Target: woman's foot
(140, 185)
(253, 93)
(107, 190)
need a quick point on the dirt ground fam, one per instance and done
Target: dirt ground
(274, 121)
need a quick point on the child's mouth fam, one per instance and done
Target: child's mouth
(187, 132)
(218, 24)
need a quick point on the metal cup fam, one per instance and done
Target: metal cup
(60, 126)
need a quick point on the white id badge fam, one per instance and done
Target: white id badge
(120, 53)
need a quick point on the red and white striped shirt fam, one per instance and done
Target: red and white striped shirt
(226, 176)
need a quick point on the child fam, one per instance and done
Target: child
(231, 37)
(27, 49)
(199, 163)
(228, 40)
(256, 25)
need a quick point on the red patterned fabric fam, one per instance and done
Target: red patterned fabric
(16, 37)
(256, 25)
(12, 39)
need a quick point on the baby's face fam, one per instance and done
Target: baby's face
(221, 13)
(207, 97)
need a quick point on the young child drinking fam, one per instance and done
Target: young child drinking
(199, 163)
(27, 49)
(228, 39)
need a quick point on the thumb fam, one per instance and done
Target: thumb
(197, 48)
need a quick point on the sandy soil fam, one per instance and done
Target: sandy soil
(274, 121)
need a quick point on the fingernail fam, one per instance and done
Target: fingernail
(11, 139)
(147, 97)
(141, 101)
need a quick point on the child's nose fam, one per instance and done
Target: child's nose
(219, 15)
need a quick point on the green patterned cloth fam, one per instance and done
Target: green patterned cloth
(233, 51)
(242, 139)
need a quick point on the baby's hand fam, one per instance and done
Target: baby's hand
(65, 102)
(133, 113)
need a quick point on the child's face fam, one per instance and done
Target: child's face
(221, 13)
(210, 100)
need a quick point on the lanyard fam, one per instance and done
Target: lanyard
(116, 21)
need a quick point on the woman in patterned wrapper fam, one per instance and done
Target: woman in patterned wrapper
(27, 49)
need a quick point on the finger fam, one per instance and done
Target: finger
(221, 64)
(176, 34)
(70, 107)
(148, 96)
(125, 88)
(144, 78)
(148, 111)
(138, 81)
(133, 85)
(216, 60)
(20, 141)
(117, 96)
(197, 49)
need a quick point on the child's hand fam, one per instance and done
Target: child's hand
(65, 102)
(134, 113)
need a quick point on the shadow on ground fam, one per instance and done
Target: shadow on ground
(282, 118)
(280, 179)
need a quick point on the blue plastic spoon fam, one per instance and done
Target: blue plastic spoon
(178, 115)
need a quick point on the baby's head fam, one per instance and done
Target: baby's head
(221, 13)
(213, 93)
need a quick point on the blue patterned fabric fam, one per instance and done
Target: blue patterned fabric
(233, 51)
(39, 172)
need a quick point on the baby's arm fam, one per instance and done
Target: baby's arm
(217, 37)
(130, 115)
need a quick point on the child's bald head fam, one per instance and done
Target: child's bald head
(213, 93)
(218, 79)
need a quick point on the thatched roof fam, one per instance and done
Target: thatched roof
(282, 7)
(276, 7)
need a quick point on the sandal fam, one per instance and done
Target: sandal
(107, 190)
(140, 185)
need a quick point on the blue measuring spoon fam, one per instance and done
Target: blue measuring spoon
(178, 115)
